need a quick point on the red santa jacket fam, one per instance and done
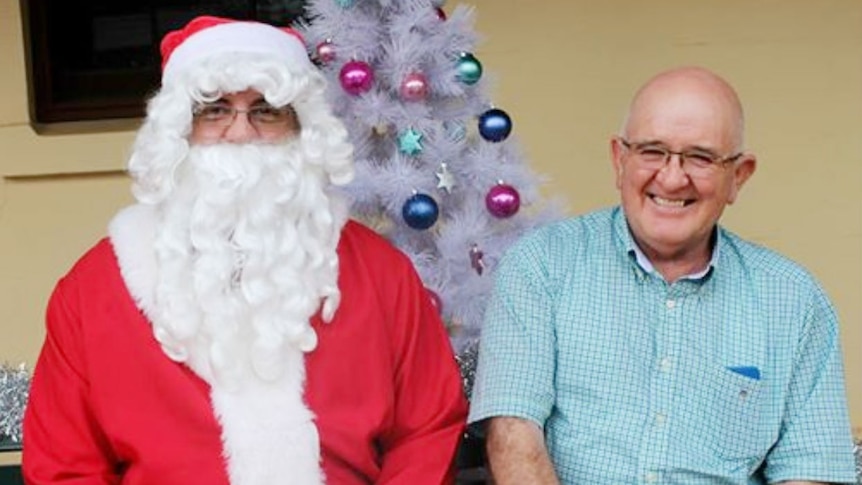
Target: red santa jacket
(108, 406)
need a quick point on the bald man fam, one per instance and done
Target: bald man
(645, 343)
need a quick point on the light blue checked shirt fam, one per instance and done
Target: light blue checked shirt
(732, 376)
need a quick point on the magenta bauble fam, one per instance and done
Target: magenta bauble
(503, 201)
(356, 77)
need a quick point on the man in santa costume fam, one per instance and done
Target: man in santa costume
(235, 327)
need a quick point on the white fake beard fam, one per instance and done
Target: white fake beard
(246, 253)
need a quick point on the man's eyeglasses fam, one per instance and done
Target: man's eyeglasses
(696, 162)
(263, 116)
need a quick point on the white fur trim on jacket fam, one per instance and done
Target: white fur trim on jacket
(268, 433)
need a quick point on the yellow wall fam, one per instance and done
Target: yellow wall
(564, 70)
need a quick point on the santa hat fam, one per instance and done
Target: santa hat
(209, 36)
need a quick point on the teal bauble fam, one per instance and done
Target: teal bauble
(469, 68)
(345, 3)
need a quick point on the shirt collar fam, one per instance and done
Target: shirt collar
(625, 236)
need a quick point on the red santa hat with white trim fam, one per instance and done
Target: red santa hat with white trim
(209, 36)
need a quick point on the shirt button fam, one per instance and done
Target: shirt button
(651, 477)
(670, 304)
(660, 419)
(665, 364)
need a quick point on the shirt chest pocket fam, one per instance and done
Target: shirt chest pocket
(735, 413)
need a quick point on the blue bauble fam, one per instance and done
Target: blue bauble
(495, 125)
(420, 211)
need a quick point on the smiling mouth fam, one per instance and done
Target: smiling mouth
(661, 201)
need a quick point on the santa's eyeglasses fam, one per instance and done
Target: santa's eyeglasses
(263, 116)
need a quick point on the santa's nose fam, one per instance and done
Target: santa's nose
(241, 130)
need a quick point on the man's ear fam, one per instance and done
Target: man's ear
(742, 171)
(616, 152)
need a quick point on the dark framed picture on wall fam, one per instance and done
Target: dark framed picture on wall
(99, 59)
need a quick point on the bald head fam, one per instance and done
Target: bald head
(687, 100)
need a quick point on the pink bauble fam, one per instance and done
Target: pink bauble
(356, 77)
(414, 87)
(503, 201)
(325, 52)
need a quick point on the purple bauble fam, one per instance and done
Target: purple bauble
(503, 201)
(356, 77)
(414, 87)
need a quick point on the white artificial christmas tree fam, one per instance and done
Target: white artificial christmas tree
(438, 172)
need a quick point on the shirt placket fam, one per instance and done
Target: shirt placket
(667, 302)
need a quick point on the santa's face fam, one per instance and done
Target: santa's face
(242, 117)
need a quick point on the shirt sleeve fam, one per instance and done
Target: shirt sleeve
(63, 443)
(815, 440)
(430, 408)
(515, 372)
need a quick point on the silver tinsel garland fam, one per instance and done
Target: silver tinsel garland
(14, 386)
(857, 450)
(467, 359)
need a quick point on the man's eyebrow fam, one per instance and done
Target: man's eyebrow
(702, 149)
(225, 100)
(646, 143)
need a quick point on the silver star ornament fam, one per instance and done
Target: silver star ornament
(445, 179)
